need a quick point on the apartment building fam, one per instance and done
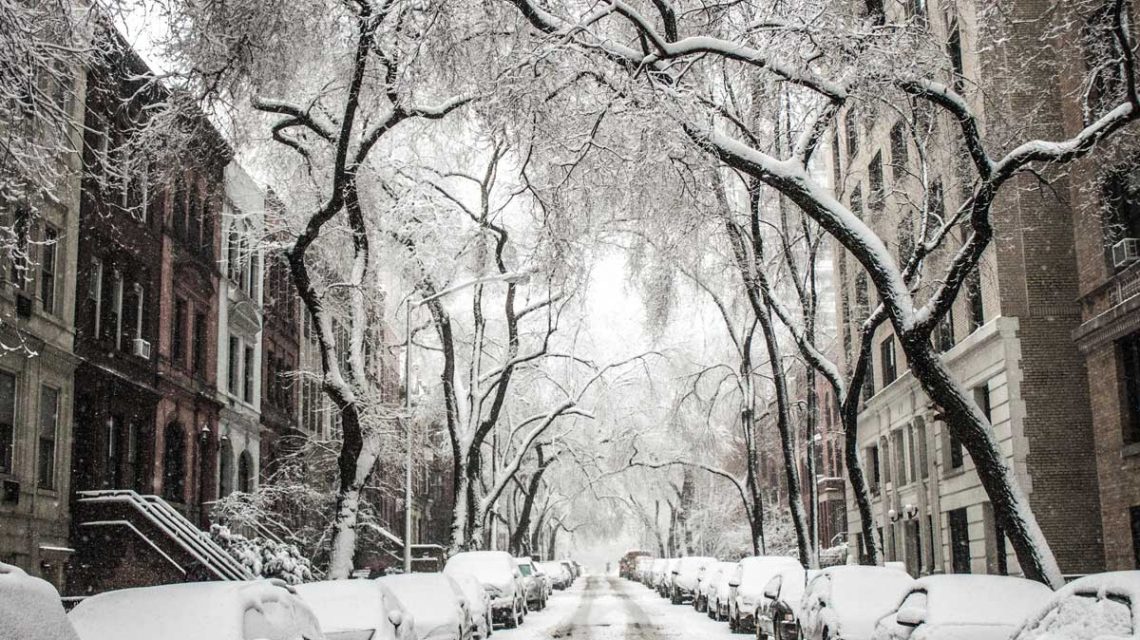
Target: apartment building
(37, 364)
(1008, 337)
(280, 349)
(240, 321)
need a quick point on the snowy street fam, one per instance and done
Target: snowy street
(607, 608)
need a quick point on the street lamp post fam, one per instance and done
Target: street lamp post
(510, 278)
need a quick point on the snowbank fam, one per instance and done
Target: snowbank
(30, 608)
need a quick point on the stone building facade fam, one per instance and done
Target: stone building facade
(37, 364)
(1007, 337)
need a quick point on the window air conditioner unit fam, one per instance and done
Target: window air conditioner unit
(1126, 252)
(142, 348)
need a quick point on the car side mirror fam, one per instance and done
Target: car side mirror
(910, 616)
(771, 593)
(396, 618)
(734, 583)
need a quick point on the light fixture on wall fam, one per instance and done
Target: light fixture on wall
(204, 434)
(893, 515)
(911, 511)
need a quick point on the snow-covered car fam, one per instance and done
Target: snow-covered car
(947, 607)
(544, 579)
(30, 608)
(746, 587)
(719, 591)
(559, 577)
(776, 615)
(570, 569)
(709, 579)
(534, 589)
(436, 604)
(656, 571)
(1105, 606)
(254, 610)
(665, 585)
(847, 601)
(357, 610)
(685, 577)
(500, 577)
(478, 603)
(644, 568)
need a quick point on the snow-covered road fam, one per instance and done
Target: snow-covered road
(608, 608)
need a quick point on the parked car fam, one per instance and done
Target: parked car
(685, 577)
(776, 615)
(656, 572)
(534, 589)
(499, 575)
(665, 586)
(30, 608)
(707, 585)
(478, 603)
(847, 601)
(719, 591)
(1105, 606)
(570, 569)
(627, 567)
(644, 568)
(436, 603)
(746, 587)
(357, 610)
(255, 610)
(559, 576)
(544, 579)
(946, 607)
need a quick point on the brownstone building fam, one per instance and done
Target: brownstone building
(280, 348)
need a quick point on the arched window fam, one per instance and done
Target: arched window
(174, 463)
(225, 469)
(245, 472)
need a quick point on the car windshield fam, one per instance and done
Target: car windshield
(1083, 616)
(525, 569)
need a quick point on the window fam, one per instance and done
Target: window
(116, 323)
(174, 463)
(878, 195)
(48, 270)
(887, 360)
(873, 466)
(140, 307)
(225, 469)
(232, 364)
(233, 253)
(95, 292)
(943, 335)
(954, 52)
(982, 397)
(956, 453)
(923, 461)
(247, 375)
(133, 471)
(1129, 348)
(49, 419)
(959, 541)
(112, 453)
(245, 472)
(898, 455)
(911, 458)
(200, 330)
(178, 341)
(20, 249)
(1134, 517)
(905, 237)
(1121, 215)
(976, 312)
(7, 421)
(851, 129)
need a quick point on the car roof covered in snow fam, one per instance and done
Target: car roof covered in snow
(197, 610)
(1116, 585)
(694, 563)
(494, 566)
(30, 608)
(345, 605)
(431, 598)
(981, 599)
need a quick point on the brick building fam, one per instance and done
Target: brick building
(1007, 338)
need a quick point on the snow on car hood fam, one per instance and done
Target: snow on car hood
(344, 605)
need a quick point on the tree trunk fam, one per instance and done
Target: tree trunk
(520, 534)
(967, 423)
(356, 462)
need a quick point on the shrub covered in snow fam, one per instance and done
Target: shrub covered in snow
(264, 557)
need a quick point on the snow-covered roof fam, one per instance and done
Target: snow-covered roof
(30, 608)
(196, 610)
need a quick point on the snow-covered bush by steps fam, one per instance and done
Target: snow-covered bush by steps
(264, 557)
